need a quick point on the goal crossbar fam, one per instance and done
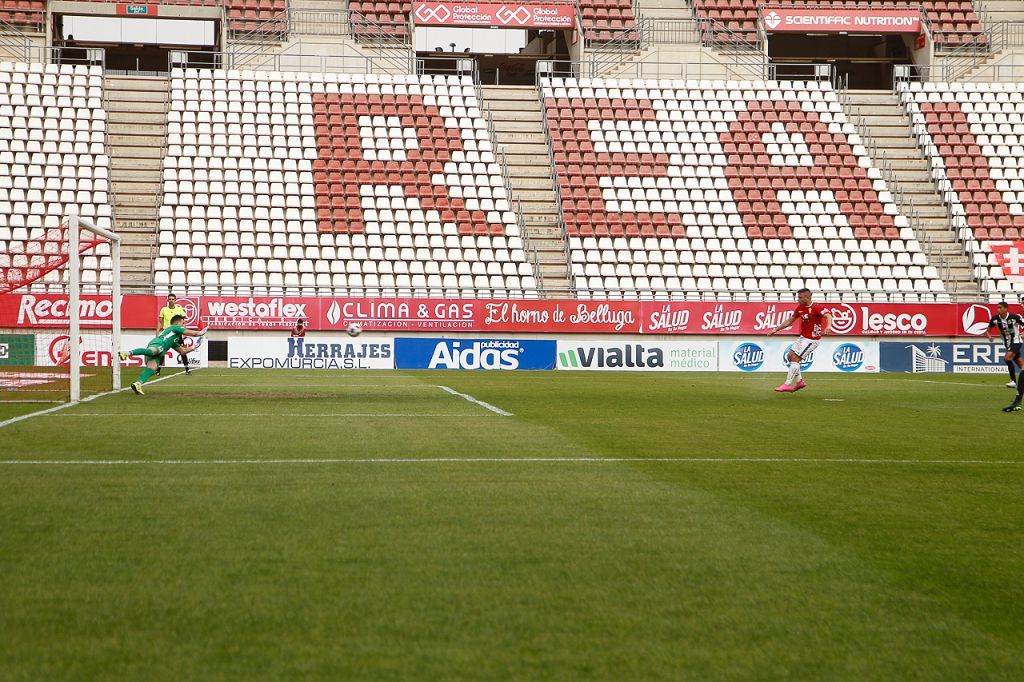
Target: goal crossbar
(75, 224)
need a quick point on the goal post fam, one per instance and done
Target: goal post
(75, 225)
(60, 308)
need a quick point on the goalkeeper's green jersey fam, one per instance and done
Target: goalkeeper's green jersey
(168, 338)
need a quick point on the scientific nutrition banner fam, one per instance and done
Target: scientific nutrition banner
(548, 316)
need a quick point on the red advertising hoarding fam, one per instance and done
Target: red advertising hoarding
(777, 19)
(487, 14)
(563, 316)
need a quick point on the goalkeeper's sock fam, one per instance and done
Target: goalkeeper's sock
(141, 351)
(146, 375)
(1012, 367)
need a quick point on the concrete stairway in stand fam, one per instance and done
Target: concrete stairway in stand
(665, 9)
(883, 121)
(519, 129)
(136, 134)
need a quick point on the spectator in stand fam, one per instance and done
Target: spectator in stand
(300, 327)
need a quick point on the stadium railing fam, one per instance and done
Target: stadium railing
(292, 60)
(20, 48)
(35, 22)
(394, 48)
(650, 67)
(970, 59)
(937, 255)
(245, 30)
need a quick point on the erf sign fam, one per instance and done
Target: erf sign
(841, 20)
(494, 15)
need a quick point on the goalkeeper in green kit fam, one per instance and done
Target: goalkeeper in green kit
(154, 351)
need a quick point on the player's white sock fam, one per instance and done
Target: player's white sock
(793, 375)
(799, 375)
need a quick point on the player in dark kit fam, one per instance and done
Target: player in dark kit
(1010, 327)
(158, 346)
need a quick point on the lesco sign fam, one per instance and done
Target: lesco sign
(496, 15)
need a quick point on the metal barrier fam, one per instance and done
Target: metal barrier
(249, 48)
(274, 29)
(320, 22)
(879, 159)
(654, 70)
(966, 59)
(674, 31)
(292, 61)
(35, 22)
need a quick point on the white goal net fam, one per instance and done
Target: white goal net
(60, 309)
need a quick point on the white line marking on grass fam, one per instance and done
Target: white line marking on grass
(361, 373)
(953, 383)
(262, 415)
(15, 420)
(523, 460)
(834, 400)
(307, 384)
(492, 408)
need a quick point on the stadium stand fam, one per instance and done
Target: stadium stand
(953, 22)
(973, 136)
(24, 15)
(247, 15)
(351, 184)
(744, 189)
(52, 159)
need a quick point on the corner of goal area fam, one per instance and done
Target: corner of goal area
(87, 399)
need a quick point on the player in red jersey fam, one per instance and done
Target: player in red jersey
(814, 324)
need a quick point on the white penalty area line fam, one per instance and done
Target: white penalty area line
(488, 406)
(15, 420)
(361, 373)
(952, 383)
(275, 415)
(518, 460)
(308, 384)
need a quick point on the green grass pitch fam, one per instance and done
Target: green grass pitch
(615, 527)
